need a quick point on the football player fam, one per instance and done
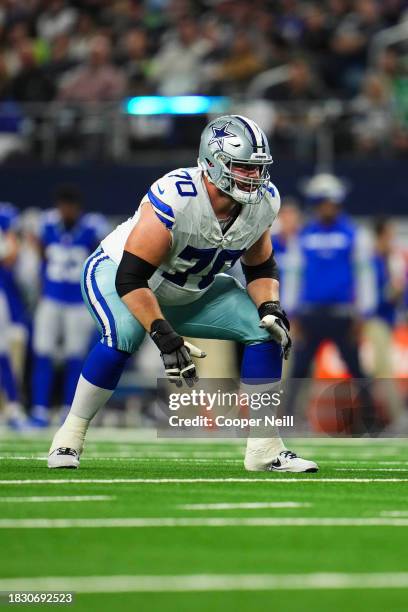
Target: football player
(67, 237)
(9, 304)
(160, 272)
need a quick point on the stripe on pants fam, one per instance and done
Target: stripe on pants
(97, 301)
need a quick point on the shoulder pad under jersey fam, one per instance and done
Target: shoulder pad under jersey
(171, 194)
(270, 205)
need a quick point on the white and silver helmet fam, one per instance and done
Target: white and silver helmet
(325, 186)
(235, 141)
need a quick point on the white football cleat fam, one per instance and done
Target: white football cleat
(63, 457)
(286, 461)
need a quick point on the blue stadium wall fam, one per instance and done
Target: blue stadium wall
(375, 187)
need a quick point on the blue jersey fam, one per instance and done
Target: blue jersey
(337, 268)
(9, 220)
(386, 309)
(8, 216)
(65, 251)
(390, 275)
(286, 251)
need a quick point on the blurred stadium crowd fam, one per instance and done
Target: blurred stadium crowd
(341, 281)
(292, 54)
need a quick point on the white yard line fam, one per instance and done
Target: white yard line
(357, 460)
(202, 458)
(245, 505)
(22, 458)
(271, 480)
(238, 460)
(91, 523)
(207, 582)
(150, 436)
(382, 454)
(54, 498)
(185, 459)
(152, 454)
(353, 456)
(370, 469)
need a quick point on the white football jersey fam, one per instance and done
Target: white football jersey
(199, 249)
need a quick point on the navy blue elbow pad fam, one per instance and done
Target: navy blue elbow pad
(133, 273)
(267, 269)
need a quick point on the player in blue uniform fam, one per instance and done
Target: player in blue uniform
(10, 304)
(336, 287)
(390, 276)
(62, 326)
(285, 246)
(161, 272)
(390, 280)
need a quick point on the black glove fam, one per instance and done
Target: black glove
(275, 321)
(176, 356)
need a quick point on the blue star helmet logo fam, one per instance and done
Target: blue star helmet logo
(219, 134)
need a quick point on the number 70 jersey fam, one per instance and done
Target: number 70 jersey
(199, 250)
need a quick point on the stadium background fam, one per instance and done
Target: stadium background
(97, 93)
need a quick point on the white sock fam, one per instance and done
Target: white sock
(71, 434)
(87, 401)
(261, 451)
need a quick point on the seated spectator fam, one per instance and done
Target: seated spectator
(81, 38)
(135, 61)
(58, 18)
(349, 45)
(302, 84)
(60, 60)
(176, 68)
(289, 23)
(14, 37)
(372, 117)
(98, 80)
(316, 31)
(241, 64)
(32, 83)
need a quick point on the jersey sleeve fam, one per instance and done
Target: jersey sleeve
(271, 206)
(169, 196)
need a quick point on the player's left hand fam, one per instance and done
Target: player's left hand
(276, 323)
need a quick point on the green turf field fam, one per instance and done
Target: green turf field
(180, 526)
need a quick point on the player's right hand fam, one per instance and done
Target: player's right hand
(175, 353)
